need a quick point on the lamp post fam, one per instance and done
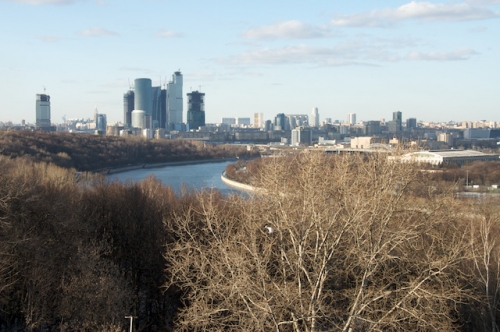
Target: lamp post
(467, 180)
(131, 321)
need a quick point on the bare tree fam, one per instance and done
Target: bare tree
(351, 249)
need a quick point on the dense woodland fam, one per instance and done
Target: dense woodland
(331, 243)
(92, 152)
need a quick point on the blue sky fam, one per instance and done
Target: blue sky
(436, 61)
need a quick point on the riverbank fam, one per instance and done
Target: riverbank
(236, 185)
(115, 170)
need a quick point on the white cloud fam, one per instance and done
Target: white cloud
(97, 31)
(49, 38)
(301, 54)
(371, 52)
(463, 54)
(418, 11)
(484, 2)
(168, 34)
(285, 30)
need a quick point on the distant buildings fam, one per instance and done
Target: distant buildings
(42, 110)
(196, 110)
(162, 107)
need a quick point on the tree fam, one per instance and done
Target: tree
(352, 249)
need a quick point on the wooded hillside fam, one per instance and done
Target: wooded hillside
(91, 152)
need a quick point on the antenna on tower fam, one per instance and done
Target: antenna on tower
(129, 85)
(44, 89)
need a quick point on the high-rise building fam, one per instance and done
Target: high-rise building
(301, 136)
(196, 110)
(372, 128)
(396, 125)
(128, 107)
(174, 102)
(42, 110)
(159, 113)
(143, 100)
(279, 121)
(351, 118)
(315, 118)
(258, 120)
(411, 123)
(101, 123)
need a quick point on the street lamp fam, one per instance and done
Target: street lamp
(131, 321)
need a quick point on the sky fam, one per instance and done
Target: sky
(431, 60)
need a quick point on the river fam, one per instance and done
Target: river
(193, 177)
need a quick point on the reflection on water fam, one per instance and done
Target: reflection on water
(193, 177)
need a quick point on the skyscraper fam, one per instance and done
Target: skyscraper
(396, 125)
(143, 95)
(128, 107)
(174, 102)
(411, 123)
(301, 136)
(159, 114)
(42, 110)
(279, 121)
(196, 110)
(315, 118)
(258, 120)
(351, 118)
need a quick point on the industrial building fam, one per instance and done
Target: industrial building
(439, 157)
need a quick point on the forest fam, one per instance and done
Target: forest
(331, 243)
(86, 152)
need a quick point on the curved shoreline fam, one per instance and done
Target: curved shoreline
(237, 185)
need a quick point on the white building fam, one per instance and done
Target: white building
(315, 118)
(351, 118)
(438, 157)
(138, 119)
(258, 120)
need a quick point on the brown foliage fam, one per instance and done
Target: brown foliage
(92, 152)
(352, 248)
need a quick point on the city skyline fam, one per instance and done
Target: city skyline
(434, 61)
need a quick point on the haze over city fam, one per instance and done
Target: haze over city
(434, 61)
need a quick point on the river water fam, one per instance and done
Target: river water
(193, 177)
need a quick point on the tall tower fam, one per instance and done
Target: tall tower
(174, 102)
(196, 110)
(258, 120)
(42, 110)
(128, 107)
(143, 95)
(351, 118)
(159, 114)
(398, 117)
(315, 118)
